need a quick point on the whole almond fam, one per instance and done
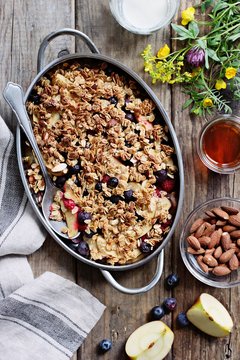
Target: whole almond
(225, 240)
(192, 251)
(226, 256)
(238, 255)
(217, 252)
(235, 234)
(221, 271)
(193, 242)
(200, 230)
(230, 210)
(215, 238)
(234, 219)
(221, 222)
(220, 213)
(209, 251)
(209, 229)
(229, 228)
(196, 225)
(233, 246)
(210, 214)
(204, 241)
(233, 262)
(238, 242)
(210, 260)
(202, 265)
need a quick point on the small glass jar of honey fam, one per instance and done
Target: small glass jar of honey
(219, 144)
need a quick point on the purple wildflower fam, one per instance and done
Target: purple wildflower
(196, 56)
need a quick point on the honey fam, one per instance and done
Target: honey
(221, 143)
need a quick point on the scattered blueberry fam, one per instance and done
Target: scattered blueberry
(169, 304)
(139, 217)
(34, 97)
(85, 193)
(112, 182)
(171, 281)
(77, 182)
(128, 163)
(83, 249)
(82, 216)
(145, 247)
(73, 246)
(105, 345)
(157, 312)
(98, 186)
(182, 319)
(128, 195)
(60, 181)
(74, 169)
(130, 116)
(160, 175)
(113, 100)
(115, 199)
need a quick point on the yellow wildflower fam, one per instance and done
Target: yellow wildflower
(196, 71)
(230, 72)
(220, 84)
(188, 15)
(207, 102)
(163, 52)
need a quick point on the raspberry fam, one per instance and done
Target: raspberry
(105, 178)
(69, 204)
(168, 185)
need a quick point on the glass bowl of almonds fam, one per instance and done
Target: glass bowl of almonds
(210, 242)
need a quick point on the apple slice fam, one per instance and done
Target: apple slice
(151, 341)
(210, 316)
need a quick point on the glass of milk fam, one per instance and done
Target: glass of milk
(143, 16)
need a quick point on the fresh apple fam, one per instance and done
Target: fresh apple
(210, 316)
(151, 341)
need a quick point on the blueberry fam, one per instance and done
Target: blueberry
(73, 170)
(171, 281)
(157, 312)
(85, 193)
(73, 246)
(112, 182)
(182, 319)
(128, 163)
(77, 182)
(34, 97)
(130, 116)
(145, 247)
(113, 100)
(128, 196)
(82, 216)
(115, 199)
(169, 304)
(60, 181)
(83, 249)
(98, 186)
(105, 345)
(127, 144)
(160, 175)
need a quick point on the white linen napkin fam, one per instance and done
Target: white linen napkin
(46, 318)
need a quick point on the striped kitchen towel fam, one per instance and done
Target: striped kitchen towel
(46, 319)
(20, 232)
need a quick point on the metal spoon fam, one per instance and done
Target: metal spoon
(13, 94)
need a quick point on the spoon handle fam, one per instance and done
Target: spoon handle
(13, 94)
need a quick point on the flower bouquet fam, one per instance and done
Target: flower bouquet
(209, 59)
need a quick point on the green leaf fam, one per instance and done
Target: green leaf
(212, 54)
(187, 103)
(220, 6)
(202, 43)
(182, 31)
(193, 28)
(233, 37)
(206, 61)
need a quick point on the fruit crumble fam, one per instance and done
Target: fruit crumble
(106, 147)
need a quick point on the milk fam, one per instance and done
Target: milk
(145, 14)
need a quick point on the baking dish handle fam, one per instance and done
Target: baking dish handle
(65, 31)
(131, 291)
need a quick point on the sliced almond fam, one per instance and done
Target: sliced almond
(217, 252)
(200, 230)
(234, 219)
(226, 256)
(196, 225)
(221, 271)
(210, 260)
(233, 262)
(220, 213)
(193, 242)
(235, 234)
(59, 169)
(226, 240)
(230, 210)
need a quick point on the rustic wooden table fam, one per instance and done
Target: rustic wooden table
(24, 24)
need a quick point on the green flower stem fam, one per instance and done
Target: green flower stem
(221, 27)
